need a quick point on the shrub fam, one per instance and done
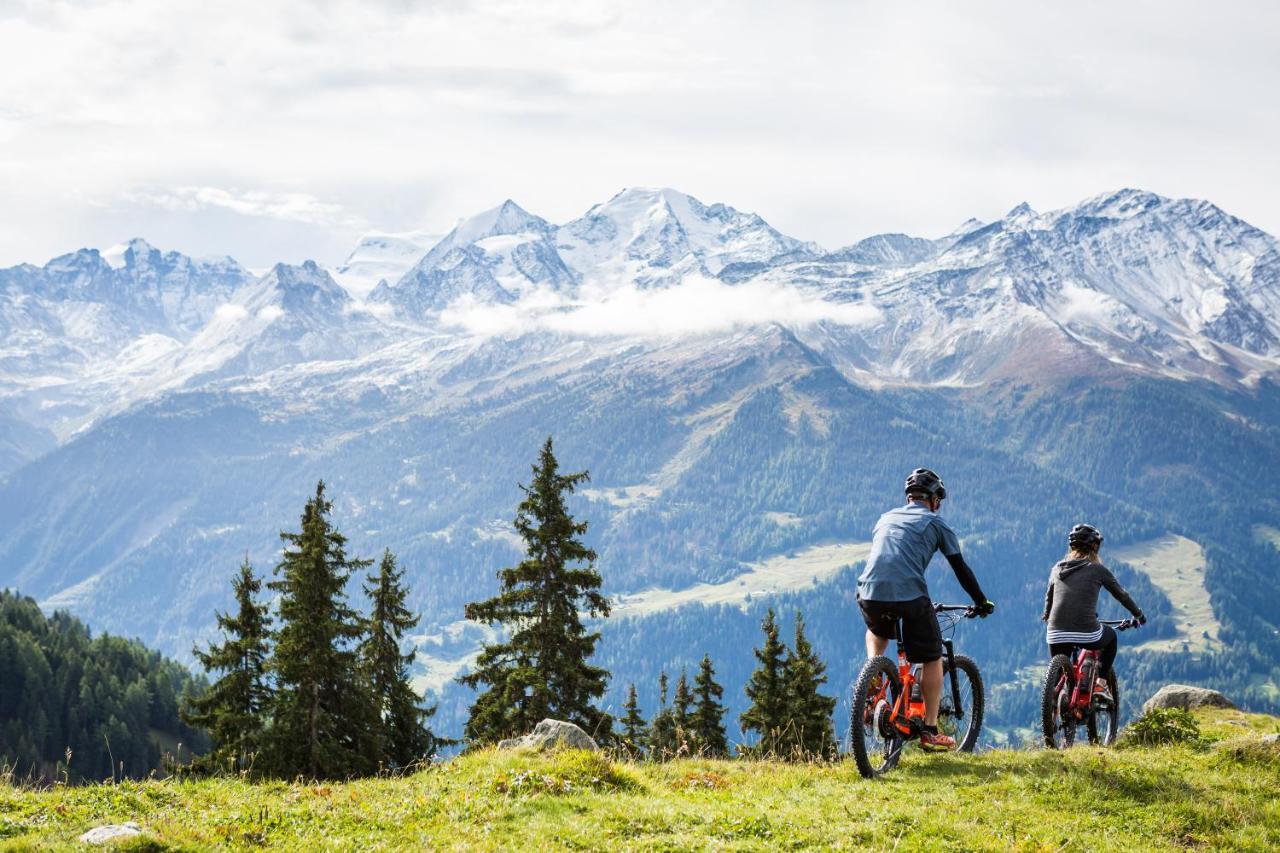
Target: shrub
(1161, 727)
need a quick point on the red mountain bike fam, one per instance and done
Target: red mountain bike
(1073, 697)
(888, 706)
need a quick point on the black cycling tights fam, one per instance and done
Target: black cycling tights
(1108, 643)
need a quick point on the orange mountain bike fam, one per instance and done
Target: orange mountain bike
(888, 705)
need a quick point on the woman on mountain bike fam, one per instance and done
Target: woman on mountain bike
(1071, 601)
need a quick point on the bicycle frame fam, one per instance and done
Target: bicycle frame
(908, 715)
(1082, 695)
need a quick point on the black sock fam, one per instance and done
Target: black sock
(933, 730)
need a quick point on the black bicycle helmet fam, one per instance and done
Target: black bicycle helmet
(1086, 537)
(922, 481)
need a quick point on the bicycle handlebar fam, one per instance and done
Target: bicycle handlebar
(1121, 624)
(970, 611)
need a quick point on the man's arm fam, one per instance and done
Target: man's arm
(1119, 594)
(965, 575)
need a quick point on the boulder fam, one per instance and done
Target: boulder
(552, 734)
(111, 832)
(1187, 698)
(1271, 740)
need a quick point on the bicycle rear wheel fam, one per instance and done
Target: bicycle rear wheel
(875, 743)
(1058, 723)
(1104, 718)
(962, 722)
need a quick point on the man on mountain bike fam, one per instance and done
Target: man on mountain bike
(892, 587)
(1071, 600)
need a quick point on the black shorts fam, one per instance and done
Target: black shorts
(921, 636)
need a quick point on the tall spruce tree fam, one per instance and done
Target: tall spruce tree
(681, 718)
(662, 729)
(707, 722)
(542, 669)
(634, 728)
(403, 736)
(767, 691)
(324, 722)
(234, 708)
(810, 732)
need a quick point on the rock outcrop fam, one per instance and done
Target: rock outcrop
(552, 734)
(1186, 697)
(110, 833)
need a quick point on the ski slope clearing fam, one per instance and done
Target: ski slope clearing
(804, 569)
(1176, 565)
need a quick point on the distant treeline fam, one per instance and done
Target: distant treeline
(74, 707)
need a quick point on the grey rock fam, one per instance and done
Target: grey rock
(1186, 697)
(1271, 740)
(110, 832)
(552, 734)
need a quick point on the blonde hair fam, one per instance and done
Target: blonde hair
(1075, 553)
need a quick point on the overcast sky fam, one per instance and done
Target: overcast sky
(284, 130)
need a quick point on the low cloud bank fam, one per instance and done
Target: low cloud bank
(695, 306)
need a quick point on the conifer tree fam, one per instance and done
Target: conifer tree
(634, 728)
(809, 731)
(233, 709)
(541, 669)
(707, 723)
(767, 690)
(402, 733)
(662, 730)
(681, 716)
(324, 722)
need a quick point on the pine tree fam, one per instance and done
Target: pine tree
(542, 669)
(233, 710)
(403, 736)
(663, 741)
(634, 739)
(681, 718)
(707, 723)
(767, 690)
(324, 722)
(809, 731)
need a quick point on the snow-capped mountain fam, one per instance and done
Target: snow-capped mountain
(651, 238)
(494, 257)
(71, 329)
(1125, 281)
(383, 256)
(160, 416)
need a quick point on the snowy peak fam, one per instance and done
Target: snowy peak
(306, 287)
(654, 237)
(888, 250)
(492, 257)
(1122, 204)
(383, 256)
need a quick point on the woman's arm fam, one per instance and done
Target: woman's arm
(1048, 599)
(1118, 593)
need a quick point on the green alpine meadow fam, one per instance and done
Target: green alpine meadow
(1221, 792)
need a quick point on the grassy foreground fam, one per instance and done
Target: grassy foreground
(1221, 796)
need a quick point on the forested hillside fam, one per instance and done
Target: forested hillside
(75, 707)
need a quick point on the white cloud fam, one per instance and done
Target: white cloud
(290, 207)
(270, 313)
(695, 306)
(272, 128)
(230, 313)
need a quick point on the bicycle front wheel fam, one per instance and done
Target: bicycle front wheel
(963, 719)
(1104, 717)
(875, 743)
